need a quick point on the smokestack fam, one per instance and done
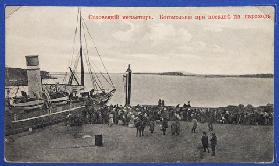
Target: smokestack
(34, 76)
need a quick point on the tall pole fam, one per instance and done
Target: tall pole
(128, 85)
(80, 51)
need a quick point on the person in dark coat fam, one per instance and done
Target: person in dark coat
(151, 125)
(213, 141)
(210, 123)
(195, 125)
(175, 128)
(204, 141)
(159, 103)
(164, 125)
(210, 126)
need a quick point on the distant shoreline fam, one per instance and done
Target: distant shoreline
(268, 75)
(18, 76)
(211, 75)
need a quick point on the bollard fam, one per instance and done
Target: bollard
(98, 140)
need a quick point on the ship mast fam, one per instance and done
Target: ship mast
(80, 52)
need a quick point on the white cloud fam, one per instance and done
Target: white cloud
(205, 46)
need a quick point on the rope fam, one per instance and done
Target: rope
(98, 53)
(124, 83)
(73, 48)
(90, 66)
(110, 83)
(89, 69)
(95, 81)
(75, 65)
(74, 40)
(91, 73)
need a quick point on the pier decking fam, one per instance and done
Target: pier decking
(236, 143)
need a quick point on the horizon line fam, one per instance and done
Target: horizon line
(150, 72)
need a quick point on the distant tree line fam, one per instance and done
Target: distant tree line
(268, 75)
(18, 76)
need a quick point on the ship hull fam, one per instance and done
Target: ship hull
(58, 115)
(38, 118)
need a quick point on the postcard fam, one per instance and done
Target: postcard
(139, 84)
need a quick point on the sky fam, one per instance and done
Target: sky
(191, 46)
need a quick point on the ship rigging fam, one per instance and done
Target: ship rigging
(74, 84)
(83, 56)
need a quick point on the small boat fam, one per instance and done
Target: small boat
(26, 103)
(56, 97)
(30, 105)
(60, 100)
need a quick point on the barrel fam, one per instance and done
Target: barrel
(98, 140)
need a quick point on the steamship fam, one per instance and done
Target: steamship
(46, 103)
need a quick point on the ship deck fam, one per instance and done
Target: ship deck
(56, 143)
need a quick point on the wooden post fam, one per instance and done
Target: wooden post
(128, 86)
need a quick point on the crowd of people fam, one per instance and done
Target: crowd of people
(123, 115)
(141, 116)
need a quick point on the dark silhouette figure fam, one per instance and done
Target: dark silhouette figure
(195, 125)
(175, 128)
(151, 126)
(140, 125)
(213, 141)
(204, 141)
(210, 125)
(164, 126)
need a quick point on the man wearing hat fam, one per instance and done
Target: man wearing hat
(213, 141)
(195, 125)
(204, 141)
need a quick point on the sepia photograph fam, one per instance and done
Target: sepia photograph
(139, 84)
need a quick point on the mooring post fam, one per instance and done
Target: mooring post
(128, 85)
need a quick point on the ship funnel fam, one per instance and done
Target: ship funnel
(34, 76)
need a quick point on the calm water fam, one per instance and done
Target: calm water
(147, 89)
